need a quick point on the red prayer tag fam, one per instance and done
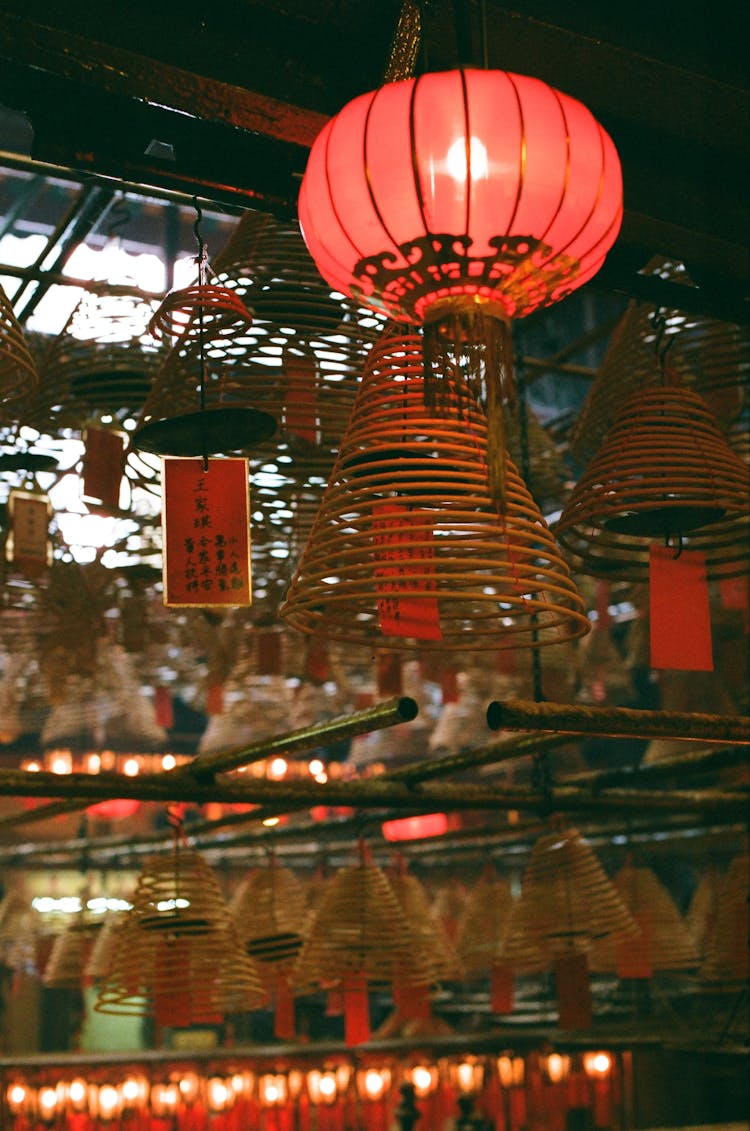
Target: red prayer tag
(389, 674)
(635, 957)
(449, 686)
(405, 553)
(300, 417)
(102, 467)
(215, 699)
(283, 1012)
(206, 525)
(679, 611)
(269, 653)
(356, 1010)
(501, 988)
(573, 991)
(163, 708)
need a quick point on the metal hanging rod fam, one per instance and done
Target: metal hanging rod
(617, 722)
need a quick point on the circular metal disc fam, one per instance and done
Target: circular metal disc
(217, 431)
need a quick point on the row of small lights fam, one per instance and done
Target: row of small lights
(63, 762)
(219, 1093)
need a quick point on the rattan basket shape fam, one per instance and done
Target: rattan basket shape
(269, 910)
(567, 901)
(484, 922)
(709, 356)
(664, 472)
(429, 936)
(178, 954)
(19, 378)
(70, 953)
(407, 517)
(359, 928)
(727, 957)
(666, 936)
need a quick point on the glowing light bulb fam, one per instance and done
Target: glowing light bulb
(168, 762)
(132, 767)
(277, 768)
(455, 161)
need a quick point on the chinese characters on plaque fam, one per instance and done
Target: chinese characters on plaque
(28, 546)
(206, 526)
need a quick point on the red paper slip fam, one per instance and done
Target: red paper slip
(102, 467)
(403, 538)
(679, 611)
(206, 526)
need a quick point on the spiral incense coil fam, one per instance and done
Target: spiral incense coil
(70, 953)
(269, 909)
(429, 936)
(484, 922)
(664, 473)
(203, 312)
(178, 954)
(18, 372)
(567, 901)
(668, 943)
(706, 355)
(359, 927)
(102, 952)
(407, 517)
(726, 946)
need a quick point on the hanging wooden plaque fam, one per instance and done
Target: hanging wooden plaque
(28, 545)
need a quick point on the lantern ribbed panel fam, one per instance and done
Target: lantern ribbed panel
(269, 910)
(567, 901)
(410, 486)
(664, 471)
(464, 182)
(484, 922)
(18, 372)
(358, 928)
(179, 953)
(669, 944)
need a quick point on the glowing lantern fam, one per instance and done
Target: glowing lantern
(460, 200)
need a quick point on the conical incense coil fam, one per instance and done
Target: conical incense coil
(666, 940)
(664, 473)
(70, 953)
(484, 922)
(359, 928)
(709, 356)
(726, 947)
(269, 909)
(567, 901)
(18, 374)
(408, 548)
(178, 954)
(102, 953)
(429, 936)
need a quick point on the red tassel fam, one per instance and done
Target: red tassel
(356, 1010)
(501, 988)
(680, 619)
(573, 991)
(283, 1014)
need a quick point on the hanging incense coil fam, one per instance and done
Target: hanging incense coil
(708, 356)
(18, 373)
(359, 928)
(102, 362)
(567, 901)
(178, 954)
(703, 909)
(102, 952)
(269, 910)
(727, 958)
(70, 953)
(200, 312)
(664, 473)
(664, 939)
(484, 922)
(429, 935)
(407, 526)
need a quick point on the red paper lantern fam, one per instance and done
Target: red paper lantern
(469, 184)
(460, 200)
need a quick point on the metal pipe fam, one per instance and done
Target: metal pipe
(386, 714)
(617, 722)
(375, 793)
(696, 761)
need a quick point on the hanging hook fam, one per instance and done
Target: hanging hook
(201, 258)
(675, 544)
